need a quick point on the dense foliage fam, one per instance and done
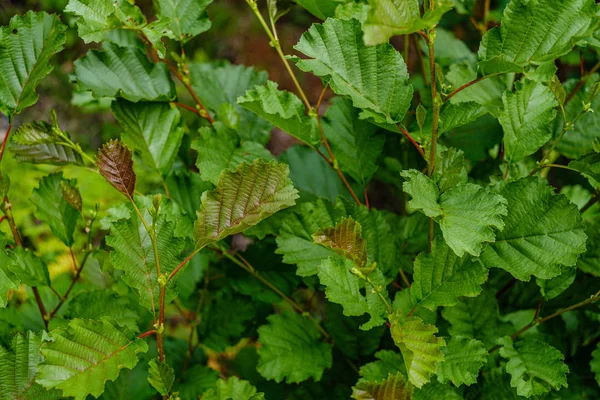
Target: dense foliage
(429, 229)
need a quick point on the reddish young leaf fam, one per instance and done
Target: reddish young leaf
(115, 163)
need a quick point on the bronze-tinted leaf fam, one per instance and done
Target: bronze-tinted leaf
(394, 387)
(115, 163)
(346, 240)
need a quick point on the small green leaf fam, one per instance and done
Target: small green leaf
(394, 387)
(29, 268)
(463, 359)
(424, 193)
(115, 163)
(291, 349)
(8, 280)
(321, 9)
(553, 287)
(186, 18)
(42, 143)
(388, 362)
(588, 165)
(231, 389)
(242, 199)
(535, 367)
(83, 356)
(161, 376)
(346, 240)
(450, 169)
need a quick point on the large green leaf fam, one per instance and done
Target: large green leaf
(242, 199)
(186, 18)
(535, 367)
(161, 376)
(29, 268)
(87, 353)
(387, 18)
(42, 143)
(536, 31)
(52, 203)
(420, 347)
(219, 149)
(19, 369)
(322, 9)
(463, 359)
(284, 110)
(104, 303)
(543, 231)
(394, 387)
(526, 118)
(441, 277)
(93, 16)
(466, 213)
(232, 389)
(153, 129)
(124, 72)
(26, 46)
(291, 349)
(132, 253)
(374, 78)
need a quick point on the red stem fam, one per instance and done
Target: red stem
(5, 140)
(185, 261)
(143, 335)
(410, 138)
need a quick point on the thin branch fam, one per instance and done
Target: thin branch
(73, 281)
(404, 278)
(5, 140)
(203, 111)
(581, 83)
(185, 106)
(185, 261)
(468, 84)
(591, 202)
(40, 304)
(410, 139)
(551, 166)
(148, 333)
(506, 287)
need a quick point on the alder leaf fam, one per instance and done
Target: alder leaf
(161, 376)
(115, 164)
(8, 280)
(186, 18)
(124, 72)
(463, 359)
(87, 353)
(536, 31)
(153, 129)
(542, 232)
(26, 46)
(291, 349)
(441, 277)
(388, 362)
(284, 110)
(242, 199)
(40, 143)
(232, 389)
(56, 209)
(535, 367)
(526, 118)
(588, 165)
(29, 268)
(346, 240)
(104, 303)
(374, 78)
(420, 347)
(395, 387)
(321, 9)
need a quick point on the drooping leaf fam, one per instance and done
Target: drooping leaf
(441, 277)
(344, 288)
(103, 303)
(595, 363)
(291, 349)
(20, 366)
(395, 387)
(543, 231)
(526, 118)
(284, 110)
(29, 268)
(161, 376)
(26, 46)
(466, 213)
(83, 356)
(186, 18)
(535, 367)
(346, 240)
(533, 32)
(420, 347)
(54, 208)
(231, 389)
(153, 129)
(40, 143)
(463, 359)
(588, 165)
(124, 72)
(242, 199)
(219, 149)
(115, 164)
(387, 18)
(374, 78)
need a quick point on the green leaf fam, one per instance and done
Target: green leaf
(42, 143)
(387, 18)
(534, 366)
(526, 118)
(345, 288)
(321, 9)
(20, 366)
(543, 231)
(231, 389)
(153, 129)
(132, 253)
(450, 169)
(353, 141)
(441, 277)
(161, 376)
(388, 362)
(54, 208)
(346, 240)
(26, 46)
(533, 32)
(454, 115)
(284, 110)
(30, 269)
(104, 303)
(466, 213)
(124, 72)
(291, 349)
(374, 78)
(115, 164)
(186, 18)
(93, 19)
(219, 149)
(197, 379)
(87, 353)
(463, 359)
(588, 165)
(552, 288)
(8, 280)
(242, 199)
(420, 347)
(595, 363)
(394, 387)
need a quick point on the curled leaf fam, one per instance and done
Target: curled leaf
(346, 240)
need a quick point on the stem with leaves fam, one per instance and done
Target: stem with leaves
(436, 102)
(70, 288)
